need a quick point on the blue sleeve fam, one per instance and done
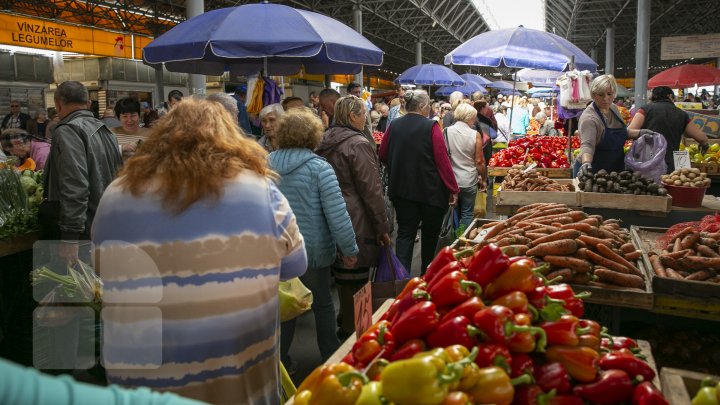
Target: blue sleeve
(335, 211)
(291, 242)
(243, 119)
(22, 385)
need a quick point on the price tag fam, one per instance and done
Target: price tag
(362, 301)
(682, 159)
(532, 166)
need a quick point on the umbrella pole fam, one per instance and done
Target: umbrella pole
(512, 106)
(570, 128)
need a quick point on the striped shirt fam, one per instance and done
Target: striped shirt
(191, 300)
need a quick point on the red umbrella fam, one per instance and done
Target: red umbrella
(686, 76)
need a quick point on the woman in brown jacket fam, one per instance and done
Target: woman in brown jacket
(356, 166)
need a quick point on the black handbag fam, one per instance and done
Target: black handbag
(447, 230)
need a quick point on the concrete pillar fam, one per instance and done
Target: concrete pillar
(196, 83)
(418, 51)
(610, 50)
(358, 25)
(642, 52)
(593, 54)
(159, 84)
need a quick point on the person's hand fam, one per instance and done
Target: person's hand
(645, 132)
(482, 184)
(325, 119)
(585, 169)
(704, 147)
(129, 147)
(453, 199)
(349, 261)
(68, 250)
(384, 240)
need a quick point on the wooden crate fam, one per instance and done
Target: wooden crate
(509, 197)
(465, 240)
(647, 203)
(680, 386)
(711, 169)
(547, 172)
(644, 238)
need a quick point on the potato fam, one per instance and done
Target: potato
(675, 177)
(706, 182)
(683, 178)
(703, 175)
(691, 175)
(695, 170)
(677, 183)
(684, 171)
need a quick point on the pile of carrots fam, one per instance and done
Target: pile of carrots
(691, 255)
(580, 248)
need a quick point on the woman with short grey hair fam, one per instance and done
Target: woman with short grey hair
(421, 180)
(268, 119)
(465, 146)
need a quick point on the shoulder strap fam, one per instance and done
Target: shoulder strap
(447, 144)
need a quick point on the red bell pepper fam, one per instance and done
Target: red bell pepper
(549, 309)
(375, 340)
(413, 283)
(618, 342)
(519, 276)
(466, 309)
(444, 256)
(628, 363)
(527, 394)
(521, 364)
(522, 342)
(578, 361)
(452, 289)
(419, 320)
(401, 305)
(552, 376)
(573, 302)
(492, 354)
(564, 331)
(454, 331)
(447, 269)
(497, 324)
(486, 265)
(517, 301)
(613, 387)
(590, 341)
(409, 349)
(647, 394)
(565, 399)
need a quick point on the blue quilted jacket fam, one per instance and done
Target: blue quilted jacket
(310, 186)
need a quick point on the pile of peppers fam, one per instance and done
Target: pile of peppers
(481, 328)
(546, 151)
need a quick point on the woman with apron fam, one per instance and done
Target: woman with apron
(602, 131)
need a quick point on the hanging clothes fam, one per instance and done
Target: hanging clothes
(272, 93)
(256, 103)
(251, 82)
(575, 89)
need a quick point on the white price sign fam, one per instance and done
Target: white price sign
(682, 159)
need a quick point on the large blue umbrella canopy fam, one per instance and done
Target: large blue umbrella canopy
(519, 48)
(430, 74)
(538, 77)
(500, 85)
(466, 89)
(536, 90)
(469, 77)
(242, 39)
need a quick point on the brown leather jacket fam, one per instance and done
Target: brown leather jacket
(355, 163)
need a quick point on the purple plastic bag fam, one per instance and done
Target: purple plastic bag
(647, 156)
(389, 267)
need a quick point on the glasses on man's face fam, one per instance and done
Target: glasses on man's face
(14, 106)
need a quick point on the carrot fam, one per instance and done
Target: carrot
(627, 248)
(706, 251)
(592, 241)
(518, 217)
(513, 240)
(556, 247)
(555, 221)
(514, 250)
(611, 221)
(610, 254)
(710, 242)
(674, 274)
(566, 275)
(591, 221)
(549, 212)
(701, 275)
(677, 245)
(715, 236)
(657, 266)
(610, 234)
(557, 225)
(669, 262)
(679, 253)
(584, 228)
(510, 231)
(535, 235)
(574, 216)
(581, 244)
(496, 229)
(566, 234)
(528, 225)
(574, 264)
(633, 256)
(625, 280)
(605, 262)
(581, 278)
(531, 207)
(690, 240)
(489, 225)
(699, 263)
(683, 233)
(581, 252)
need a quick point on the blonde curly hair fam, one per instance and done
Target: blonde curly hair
(299, 128)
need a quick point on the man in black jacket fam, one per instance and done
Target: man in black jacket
(84, 159)
(15, 119)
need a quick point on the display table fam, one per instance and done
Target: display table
(680, 386)
(19, 243)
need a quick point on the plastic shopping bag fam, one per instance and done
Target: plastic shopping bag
(647, 156)
(295, 299)
(389, 279)
(447, 230)
(480, 209)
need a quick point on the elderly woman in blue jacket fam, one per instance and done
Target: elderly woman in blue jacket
(310, 185)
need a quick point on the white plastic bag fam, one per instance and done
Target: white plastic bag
(647, 156)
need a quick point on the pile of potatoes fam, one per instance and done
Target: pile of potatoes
(687, 178)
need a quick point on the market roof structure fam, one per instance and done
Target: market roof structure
(396, 25)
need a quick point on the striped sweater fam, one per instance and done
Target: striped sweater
(190, 301)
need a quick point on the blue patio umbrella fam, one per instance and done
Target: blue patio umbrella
(466, 89)
(430, 74)
(507, 92)
(469, 77)
(538, 77)
(538, 90)
(519, 48)
(251, 37)
(500, 85)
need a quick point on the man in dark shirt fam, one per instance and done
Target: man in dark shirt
(15, 119)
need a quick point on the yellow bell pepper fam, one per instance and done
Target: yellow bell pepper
(495, 387)
(371, 394)
(338, 384)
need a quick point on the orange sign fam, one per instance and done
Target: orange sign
(41, 34)
(362, 301)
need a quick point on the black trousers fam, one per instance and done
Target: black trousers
(409, 215)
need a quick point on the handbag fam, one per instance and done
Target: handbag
(389, 279)
(480, 209)
(447, 230)
(295, 299)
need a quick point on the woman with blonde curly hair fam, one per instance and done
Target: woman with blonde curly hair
(309, 183)
(191, 240)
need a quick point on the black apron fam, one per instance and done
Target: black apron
(609, 153)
